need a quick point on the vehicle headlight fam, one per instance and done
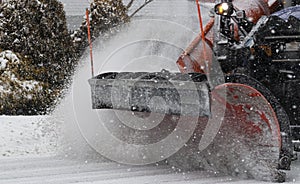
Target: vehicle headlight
(224, 9)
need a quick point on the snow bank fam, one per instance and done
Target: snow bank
(27, 135)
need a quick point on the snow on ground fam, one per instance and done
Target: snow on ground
(28, 146)
(27, 135)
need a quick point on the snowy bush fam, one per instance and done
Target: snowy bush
(104, 15)
(36, 29)
(19, 92)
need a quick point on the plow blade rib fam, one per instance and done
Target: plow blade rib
(161, 92)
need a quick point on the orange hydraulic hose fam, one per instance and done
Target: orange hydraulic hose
(90, 41)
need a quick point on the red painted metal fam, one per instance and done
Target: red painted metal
(192, 61)
(247, 112)
(192, 58)
(89, 39)
(248, 117)
(200, 20)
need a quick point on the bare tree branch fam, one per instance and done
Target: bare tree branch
(141, 7)
(128, 5)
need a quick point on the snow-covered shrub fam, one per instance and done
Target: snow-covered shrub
(37, 30)
(19, 92)
(104, 16)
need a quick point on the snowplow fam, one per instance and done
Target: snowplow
(239, 78)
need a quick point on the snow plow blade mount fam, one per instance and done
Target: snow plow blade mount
(160, 92)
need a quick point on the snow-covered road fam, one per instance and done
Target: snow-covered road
(30, 154)
(36, 170)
